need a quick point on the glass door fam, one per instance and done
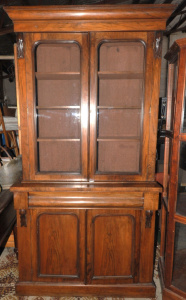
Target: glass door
(171, 102)
(175, 250)
(60, 106)
(117, 105)
(179, 259)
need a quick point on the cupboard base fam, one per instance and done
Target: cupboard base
(51, 289)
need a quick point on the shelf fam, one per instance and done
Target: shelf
(58, 76)
(57, 107)
(120, 138)
(118, 107)
(120, 75)
(57, 140)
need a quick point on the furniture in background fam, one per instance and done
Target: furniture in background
(7, 218)
(10, 173)
(8, 128)
(88, 84)
(173, 208)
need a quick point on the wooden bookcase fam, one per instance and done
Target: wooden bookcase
(173, 233)
(88, 79)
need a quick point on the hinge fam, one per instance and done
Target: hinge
(158, 44)
(149, 214)
(23, 219)
(20, 46)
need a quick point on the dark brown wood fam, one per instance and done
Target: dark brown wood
(32, 186)
(60, 255)
(88, 88)
(154, 115)
(67, 19)
(90, 12)
(148, 218)
(174, 166)
(163, 229)
(172, 261)
(146, 250)
(23, 221)
(129, 290)
(112, 258)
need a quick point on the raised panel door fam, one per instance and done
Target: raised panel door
(59, 245)
(113, 246)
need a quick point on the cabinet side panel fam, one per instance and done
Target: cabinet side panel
(23, 236)
(146, 249)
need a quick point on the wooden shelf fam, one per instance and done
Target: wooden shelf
(118, 107)
(120, 138)
(58, 75)
(120, 75)
(57, 140)
(58, 107)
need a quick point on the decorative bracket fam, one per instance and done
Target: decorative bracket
(149, 214)
(23, 219)
(158, 44)
(20, 47)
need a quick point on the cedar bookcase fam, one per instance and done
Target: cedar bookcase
(88, 88)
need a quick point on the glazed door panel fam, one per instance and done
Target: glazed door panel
(119, 68)
(113, 246)
(58, 236)
(57, 87)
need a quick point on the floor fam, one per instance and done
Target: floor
(9, 276)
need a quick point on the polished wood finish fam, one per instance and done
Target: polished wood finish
(172, 262)
(88, 80)
(113, 290)
(68, 18)
(112, 258)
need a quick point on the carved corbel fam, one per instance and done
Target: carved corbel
(149, 214)
(20, 46)
(23, 219)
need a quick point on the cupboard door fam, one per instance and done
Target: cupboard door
(58, 105)
(118, 103)
(113, 238)
(58, 240)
